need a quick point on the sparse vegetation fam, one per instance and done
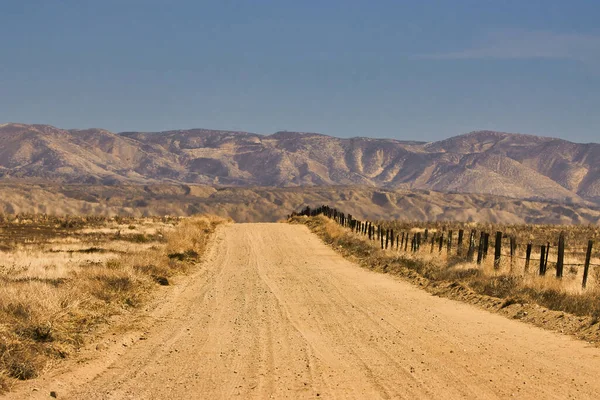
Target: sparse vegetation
(60, 278)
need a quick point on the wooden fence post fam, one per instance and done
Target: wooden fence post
(486, 245)
(528, 256)
(542, 260)
(381, 240)
(461, 234)
(402, 242)
(441, 242)
(406, 242)
(498, 250)
(449, 244)
(397, 242)
(418, 241)
(513, 250)
(387, 238)
(432, 243)
(560, 262)
(480, 249)
(546, 259)
(471, 251)
(586, 268)
(426, 236)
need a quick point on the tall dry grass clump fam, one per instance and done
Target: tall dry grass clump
(55, 292)
(192, 234)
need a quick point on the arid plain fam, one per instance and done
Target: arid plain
(164, 265)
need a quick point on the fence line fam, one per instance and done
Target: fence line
(387, 237)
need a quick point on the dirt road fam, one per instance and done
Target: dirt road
(274, 313)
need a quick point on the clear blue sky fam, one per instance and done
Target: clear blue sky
(383, 68)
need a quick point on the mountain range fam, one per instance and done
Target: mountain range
(482, 162)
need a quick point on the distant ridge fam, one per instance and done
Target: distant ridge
(484, 162)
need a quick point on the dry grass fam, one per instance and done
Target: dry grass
(510, 284)
(62, 278)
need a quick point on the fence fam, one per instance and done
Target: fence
(470, 245)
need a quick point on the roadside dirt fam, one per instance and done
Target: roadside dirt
(275, 313)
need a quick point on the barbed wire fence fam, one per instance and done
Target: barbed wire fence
(470, 245)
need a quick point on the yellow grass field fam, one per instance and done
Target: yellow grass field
(61, 278)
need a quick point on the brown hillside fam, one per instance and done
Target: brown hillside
(272, 204)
